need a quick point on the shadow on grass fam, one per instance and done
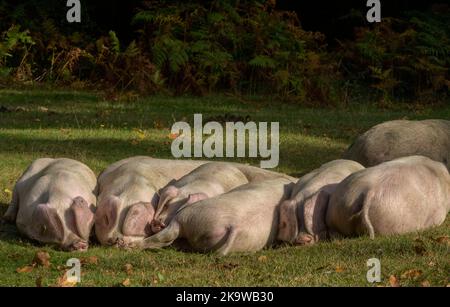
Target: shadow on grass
(296, 159)
(8, 231)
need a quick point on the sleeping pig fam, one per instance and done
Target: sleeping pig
(242, 220)
(206, 181)
(128, 196)
(404, 195)
(402, 138)
(302, 217)
(53, 202)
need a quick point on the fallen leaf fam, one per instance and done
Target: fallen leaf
(42, 109)
(64, 282)
(128, 268)
(262, 259)
(393, 281)
(339, 269)
(426, 283)
(8, 192)
(89, 260)
(443, 240)
(126, 282)
(25, 269)
(411, 274)
(21, 109)
(173, 136)
(41, 258)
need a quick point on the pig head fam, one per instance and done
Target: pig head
(304, 223)
(302, 216)
(119, 221)
(71, 230)
(54, 202)
(128, 196)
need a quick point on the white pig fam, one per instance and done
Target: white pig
(128, 196)
(402, 138)
(206, 181)
(404, 195)
(302, 217)
(242, 220)
(53, 202)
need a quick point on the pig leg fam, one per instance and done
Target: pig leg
(361, 221)
(161, 239)
(11, 212)
(225, 249)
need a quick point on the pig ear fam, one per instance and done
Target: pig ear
(137, 220)
(167, 194)
(48, 224)
(107, 212)
(193, 198)
(83, 216)
(315, 209)
(288, 224)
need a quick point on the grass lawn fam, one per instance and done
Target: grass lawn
(85, 127)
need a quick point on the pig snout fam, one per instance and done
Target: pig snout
(106, 217)
(157, 226)
(78, 246)
(138, 219)
(304, 239)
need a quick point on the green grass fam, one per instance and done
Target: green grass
(82, 126)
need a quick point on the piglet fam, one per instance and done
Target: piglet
(208, 180)
(402, 138)
(128, 196)
(404, 195)
(302, 217)
(53, 202)
(243, 220)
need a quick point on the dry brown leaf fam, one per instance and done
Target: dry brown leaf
(339, 269)
(25, 269)
(89, 260)
(443, 240)
(393, 281)
(173, 136)
(262, 259)
(64, 282)
(411, 274)
(128, 269)
(426, 284)
(126, 282)
(41, 258)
